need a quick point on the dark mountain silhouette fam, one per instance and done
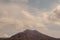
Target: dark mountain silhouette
(30, 35)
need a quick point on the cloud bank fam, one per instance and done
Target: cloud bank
(15, 18)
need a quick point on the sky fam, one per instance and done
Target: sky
(40, 15)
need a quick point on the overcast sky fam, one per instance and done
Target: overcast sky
(44, 5)
(18, 15)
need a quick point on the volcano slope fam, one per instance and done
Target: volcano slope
(30, 35)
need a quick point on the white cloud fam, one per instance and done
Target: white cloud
(17, 18)
(55, 15)
(3, 35)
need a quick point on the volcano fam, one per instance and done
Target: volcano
(30, 35)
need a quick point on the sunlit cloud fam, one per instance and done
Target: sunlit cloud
(55, 15)
(16, 18)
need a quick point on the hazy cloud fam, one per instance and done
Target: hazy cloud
(17, 17)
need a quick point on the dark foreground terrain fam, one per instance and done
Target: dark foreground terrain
(30, 35)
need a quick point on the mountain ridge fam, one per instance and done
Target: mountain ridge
(30, 35)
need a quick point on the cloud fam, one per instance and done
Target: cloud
(3, 35)
(49, 18)
(16, 18)
(55, 15)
